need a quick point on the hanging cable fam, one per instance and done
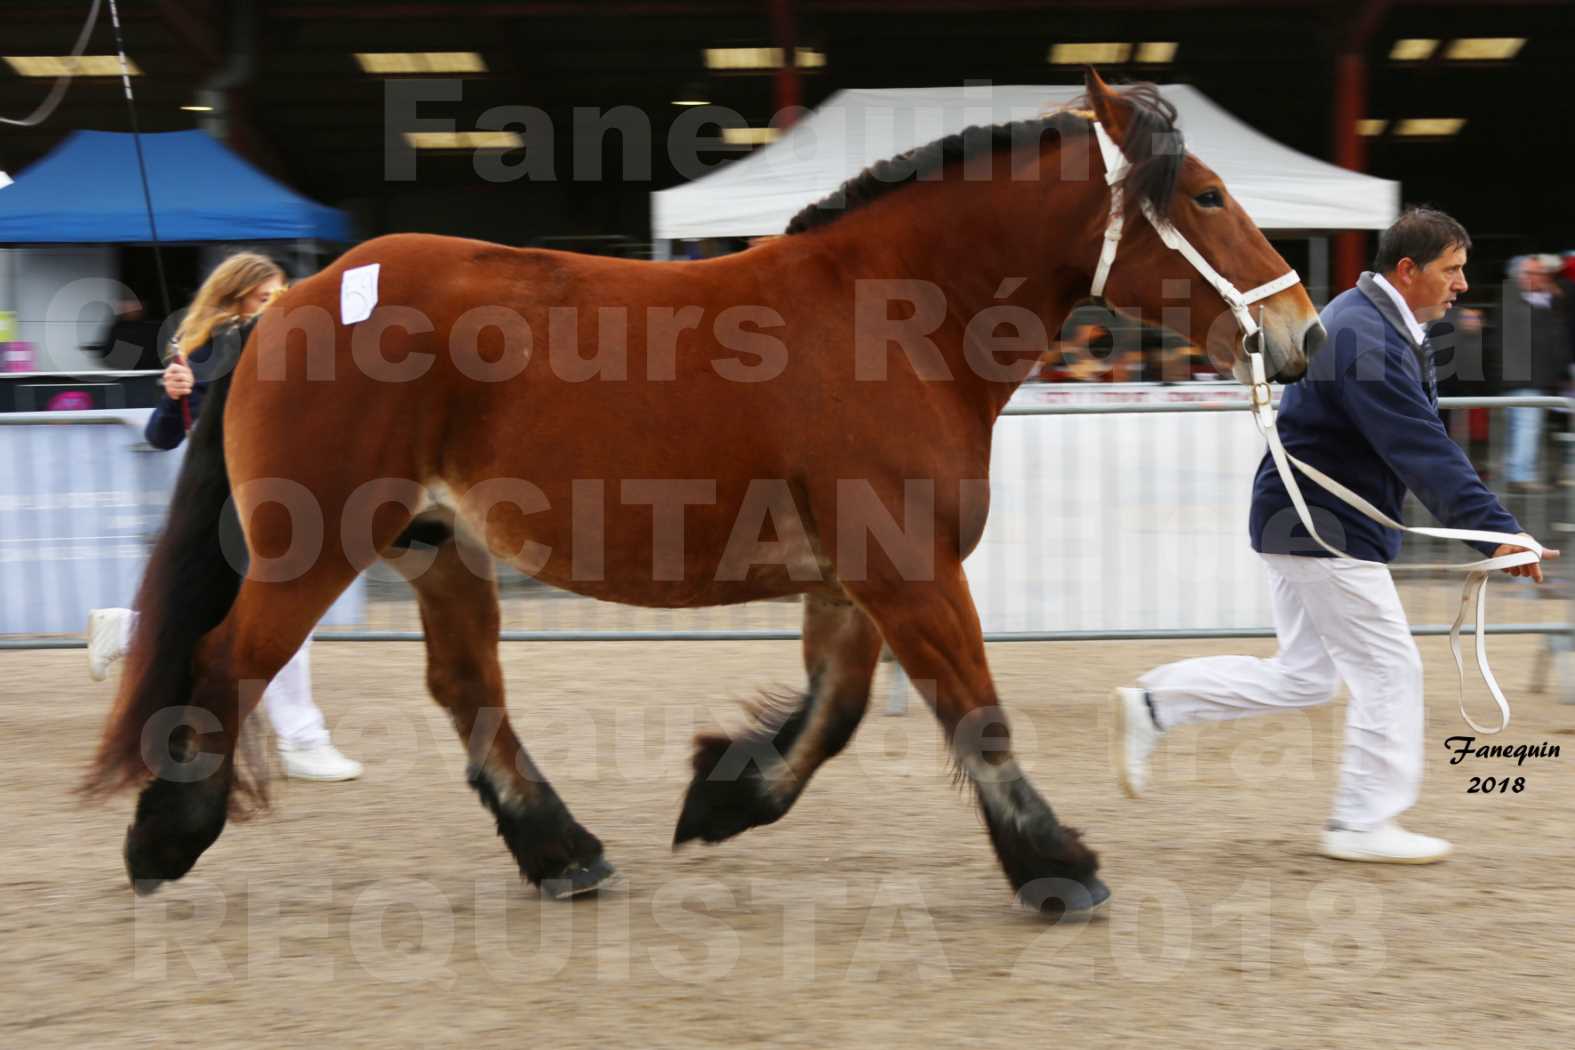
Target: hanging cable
(142, 167)
(58, 92)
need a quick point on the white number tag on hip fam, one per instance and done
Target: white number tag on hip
(358, 293)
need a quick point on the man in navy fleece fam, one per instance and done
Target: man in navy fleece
(1367, 415)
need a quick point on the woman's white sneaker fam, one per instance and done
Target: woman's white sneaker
(1387, 844)
(1136, 736)
(105, 629)
(323, 762)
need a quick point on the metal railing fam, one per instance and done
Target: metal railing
(1109, 522)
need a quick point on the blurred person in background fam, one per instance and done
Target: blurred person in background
(1563, 270)
(1088, 355)
(1459, 339)
(1535, 353)
(1101, 347)
(131, 342)
(206, 343)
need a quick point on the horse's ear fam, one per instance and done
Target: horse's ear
(1111, 110)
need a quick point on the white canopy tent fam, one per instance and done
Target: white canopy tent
(1281, 189)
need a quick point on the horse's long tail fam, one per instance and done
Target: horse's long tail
(186, 591)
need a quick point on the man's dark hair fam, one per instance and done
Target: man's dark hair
(1420, 234)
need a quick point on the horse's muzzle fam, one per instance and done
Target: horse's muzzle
(1290, 364)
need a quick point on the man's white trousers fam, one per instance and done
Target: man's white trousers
(1337, 619)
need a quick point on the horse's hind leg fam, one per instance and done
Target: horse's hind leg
(183, 808)
(754, 779)
(934, 630)
(459, 612)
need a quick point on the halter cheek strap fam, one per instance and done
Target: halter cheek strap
(1116, 169)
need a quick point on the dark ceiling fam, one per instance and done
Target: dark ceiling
(309, 115)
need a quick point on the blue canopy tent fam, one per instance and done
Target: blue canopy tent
(64, 215)
(88, 191)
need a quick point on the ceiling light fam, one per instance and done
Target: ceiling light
(1157, 52)
(757, 59)
(1088, 54)
(419, 63)
(1424, 127)
(691, 94)
(66, 66)
(1412, 49)
(1484, 48)
(198, 109)
(464, 139)
(1371, 128)
(749, 136)
(737, 58)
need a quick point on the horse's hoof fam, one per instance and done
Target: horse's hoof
(1098, 901)
(716, 810)
(1063, 899)
(579, 879)
(151, 863)
(141, 869)
(695, 819)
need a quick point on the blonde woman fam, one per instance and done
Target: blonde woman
(236, 291)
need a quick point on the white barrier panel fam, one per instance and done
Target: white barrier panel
(1130, 521)
(81, 498)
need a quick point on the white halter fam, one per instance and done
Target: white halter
(1116, 168)
(1264, 413)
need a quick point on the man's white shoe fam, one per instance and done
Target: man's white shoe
(323, 762)
(105, 629)
(1387, 844)
(1136, 736)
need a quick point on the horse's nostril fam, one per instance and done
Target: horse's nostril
(1313, 339)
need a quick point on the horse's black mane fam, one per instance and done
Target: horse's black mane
(1152, 144)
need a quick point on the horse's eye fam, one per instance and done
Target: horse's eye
(1210, 199)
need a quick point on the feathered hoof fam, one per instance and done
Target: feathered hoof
(150, 863)
(175, 823)
(716, 811)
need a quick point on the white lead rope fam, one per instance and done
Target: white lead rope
(1475, 592)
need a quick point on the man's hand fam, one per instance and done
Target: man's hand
(1533, 569)
(178, 380)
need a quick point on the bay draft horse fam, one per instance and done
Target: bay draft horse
(778, 424)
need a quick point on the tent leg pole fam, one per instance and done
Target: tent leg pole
(1318, 270)
(788, 92)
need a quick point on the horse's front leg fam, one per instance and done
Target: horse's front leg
(933, 628)
(754, 778)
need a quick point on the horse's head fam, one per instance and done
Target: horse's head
(1188, 257)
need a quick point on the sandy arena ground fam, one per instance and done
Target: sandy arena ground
(386, 913)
